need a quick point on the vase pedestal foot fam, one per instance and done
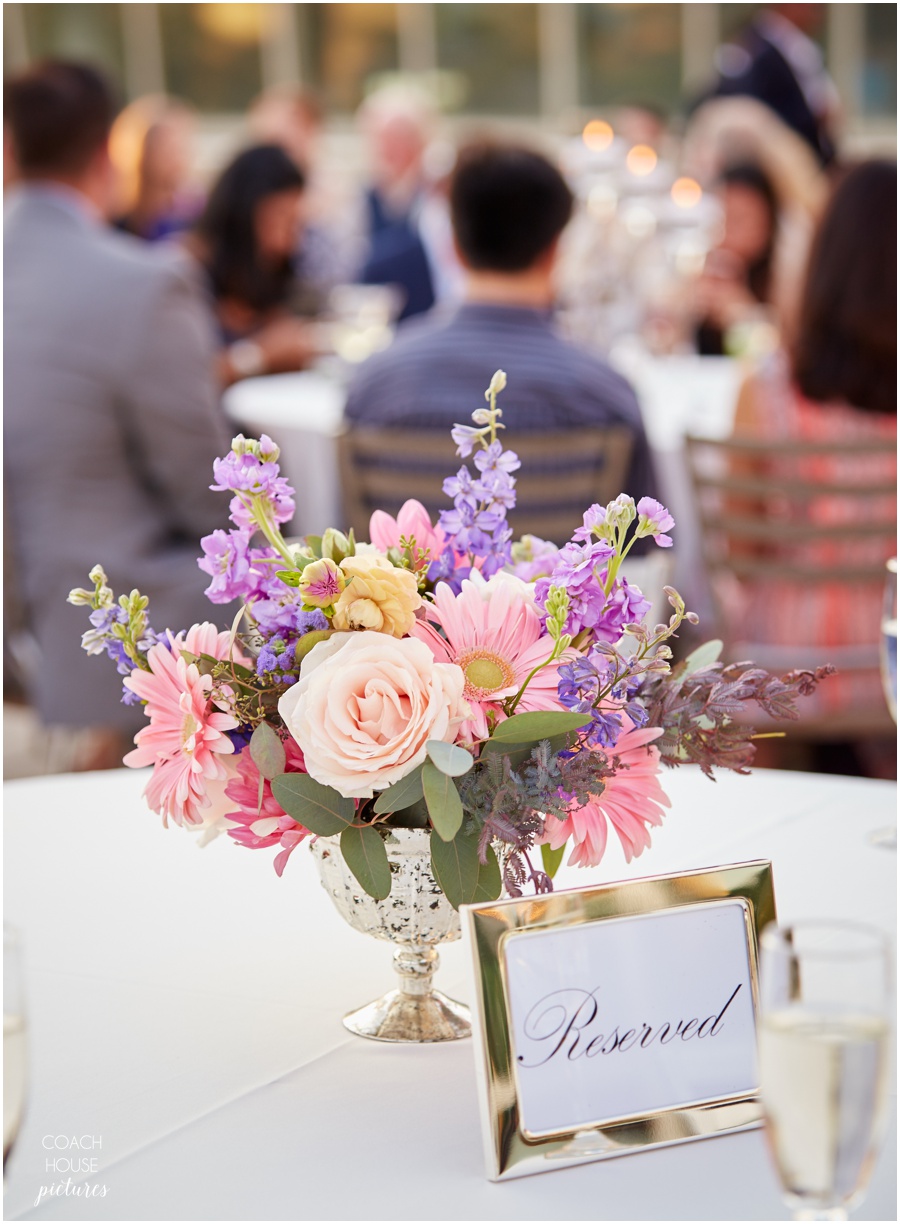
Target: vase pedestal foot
(398, 1016)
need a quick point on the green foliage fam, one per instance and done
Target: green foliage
(551, 859)
(364, 853)
(442, 798)
(402, 794)
(449, 759)
(318, 808)
(267, 751)
(463, 878)
(536, 725)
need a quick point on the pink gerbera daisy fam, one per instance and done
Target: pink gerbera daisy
(265, 823)
(186, 735)
(631, 801)
(494, 633)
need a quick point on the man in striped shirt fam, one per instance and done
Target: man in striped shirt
(509, 206)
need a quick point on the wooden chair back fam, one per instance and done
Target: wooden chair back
(798, 514)
(561, 475)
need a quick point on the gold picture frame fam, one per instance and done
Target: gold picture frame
(511, 1150)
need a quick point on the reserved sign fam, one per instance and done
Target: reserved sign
(618, 1017)
(613, 1019)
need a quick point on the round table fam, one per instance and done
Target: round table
(184, 1011)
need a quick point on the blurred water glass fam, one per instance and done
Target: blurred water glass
(14, 1062)
(362, 319)
(824, 1046)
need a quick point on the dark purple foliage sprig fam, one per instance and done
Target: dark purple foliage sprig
(698, 714)
(511, 806)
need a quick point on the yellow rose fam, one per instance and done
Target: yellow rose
(377, 596)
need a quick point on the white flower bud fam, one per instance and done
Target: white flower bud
(482, 416)
(498, 383)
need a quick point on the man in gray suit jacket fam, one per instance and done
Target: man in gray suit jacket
(112, 418)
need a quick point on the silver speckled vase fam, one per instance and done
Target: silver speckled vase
(416, 916)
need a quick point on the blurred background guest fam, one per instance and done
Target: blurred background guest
(396, 124)
(838, 383)
(111, 419)
(736, 285)
(509, 207)
(292, 116)
(776, 60)
(152, 150)
(245, 242)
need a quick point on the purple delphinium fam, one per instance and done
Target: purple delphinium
(581, 684)
(477, 523)
(283, 612)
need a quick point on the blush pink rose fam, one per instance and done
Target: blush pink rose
(365, 706)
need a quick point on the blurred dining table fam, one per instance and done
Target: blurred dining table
(678, 395)
(184, 1014)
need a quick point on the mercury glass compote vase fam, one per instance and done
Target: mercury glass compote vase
(415, 918)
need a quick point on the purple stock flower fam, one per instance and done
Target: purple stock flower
(625, 605)
(225, 558)
(253, 477)
(653, 520)
(594, 517)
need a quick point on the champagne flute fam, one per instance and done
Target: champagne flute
(13, 1040)
(889, 638)
(824, 1053)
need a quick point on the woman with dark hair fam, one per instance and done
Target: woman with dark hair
(245, 241)
(737, 277)
(837, 383)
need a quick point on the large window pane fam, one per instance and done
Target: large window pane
(212, 53)
(630, 54)
(880, 67)
(348, 45)
(89, 32)
(494, 50)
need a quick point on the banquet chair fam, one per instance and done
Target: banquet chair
(776, 522)
(562, 473)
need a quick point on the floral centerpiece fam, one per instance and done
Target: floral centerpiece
(507, 697)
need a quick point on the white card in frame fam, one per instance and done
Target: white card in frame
(613, 1019)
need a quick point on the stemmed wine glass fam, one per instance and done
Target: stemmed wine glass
(824, 1053)
(14, 1069)
(886, 838)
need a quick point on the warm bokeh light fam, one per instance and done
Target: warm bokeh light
(597, 135)
(686, 193)
(641, 160)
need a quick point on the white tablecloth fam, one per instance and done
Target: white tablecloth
(184, 1007)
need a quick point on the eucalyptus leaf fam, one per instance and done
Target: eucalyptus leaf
(402, 794)
(708, 653)
(490, 882)
(267, 751)
(318, 808)
(449, 758)
(461, 876)
(365, 854)
(519, 753)
(444, 804)
(552, 858)
(537, 725)
(306, 643)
